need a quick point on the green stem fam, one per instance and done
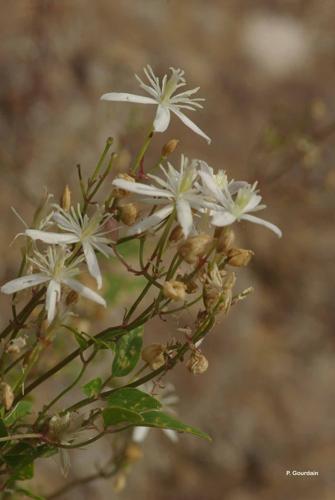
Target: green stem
(142, 151)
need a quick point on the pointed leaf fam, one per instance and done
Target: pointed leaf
(22, 409)
(127, 352)
(133, 399)
(93, 387)
(115, 415)
(164, 421)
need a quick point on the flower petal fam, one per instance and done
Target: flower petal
(139, 188)
(151, 221)
(52, 297)
(223, 219)
(190, 124)
(209, 183)
(162, 119)
(24, 282)
(84, 291)
(184, 216)
(140, 433)
(262, 222)
(123, 97)
(92, 263)
(172, 435)
(51, 238)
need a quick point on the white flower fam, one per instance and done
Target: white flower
(167, 398)
(233, 201)
(176, 192)
(79, 229)
(53, 270)
(163, 93)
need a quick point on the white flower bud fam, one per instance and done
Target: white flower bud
(15, 346)
(7, 395)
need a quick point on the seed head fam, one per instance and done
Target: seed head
(169, 147)
(239, 257)
(225, 239)
(128, 213)
(194, 247)
(174, 290)
(197, 363)
(7, 395)
(154, 355)
(65, 201)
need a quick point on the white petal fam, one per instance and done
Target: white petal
(52, 297)
(51, 238)
(213, 188)
(24, 282)
(184, 216)
(262, 222)
(162, 119)
(92, 263)
(172, 435)
(151, 221)
(190, 124)
(84, 291)
(139, 188)
(223, 218)
(140, 433)
(121, 96)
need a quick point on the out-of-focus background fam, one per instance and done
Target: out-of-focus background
(267, 72)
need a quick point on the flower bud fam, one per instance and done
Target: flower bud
(169, 147)
(7, 395)
(133, 453)
(66, 199)
(154, 355)
(225, 239)
(176, 234)
(15, 346)
(197, 363)
(174, 290)
(71, 298)
(128, 213)
(239, 257)
(119, 192)
(194, 247)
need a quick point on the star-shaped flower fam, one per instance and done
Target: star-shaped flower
(88, 231)
(177, 192)
(53, 270)
(163, 94)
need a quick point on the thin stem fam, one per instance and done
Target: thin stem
(94, 176)
(15, 437)
(142, 151)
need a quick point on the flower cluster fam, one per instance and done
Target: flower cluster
(60, 261)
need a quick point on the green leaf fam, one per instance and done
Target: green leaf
(93, 387)
(82, 342)
(163, 421)
(133, 399)
(127, 352)
(22, 409)
(24, 472)
(115, 415)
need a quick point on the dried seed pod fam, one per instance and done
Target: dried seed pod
(225, 239)
(15, 346)
(66, 199)
(119, 192)
(154, 355)
(217, 289)
(128, 213)
(197, 363)
(194, 247)
(239, 257)
(174, 290)
(7, 395)
(169, 147)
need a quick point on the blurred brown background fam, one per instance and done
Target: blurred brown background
(267, 70)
